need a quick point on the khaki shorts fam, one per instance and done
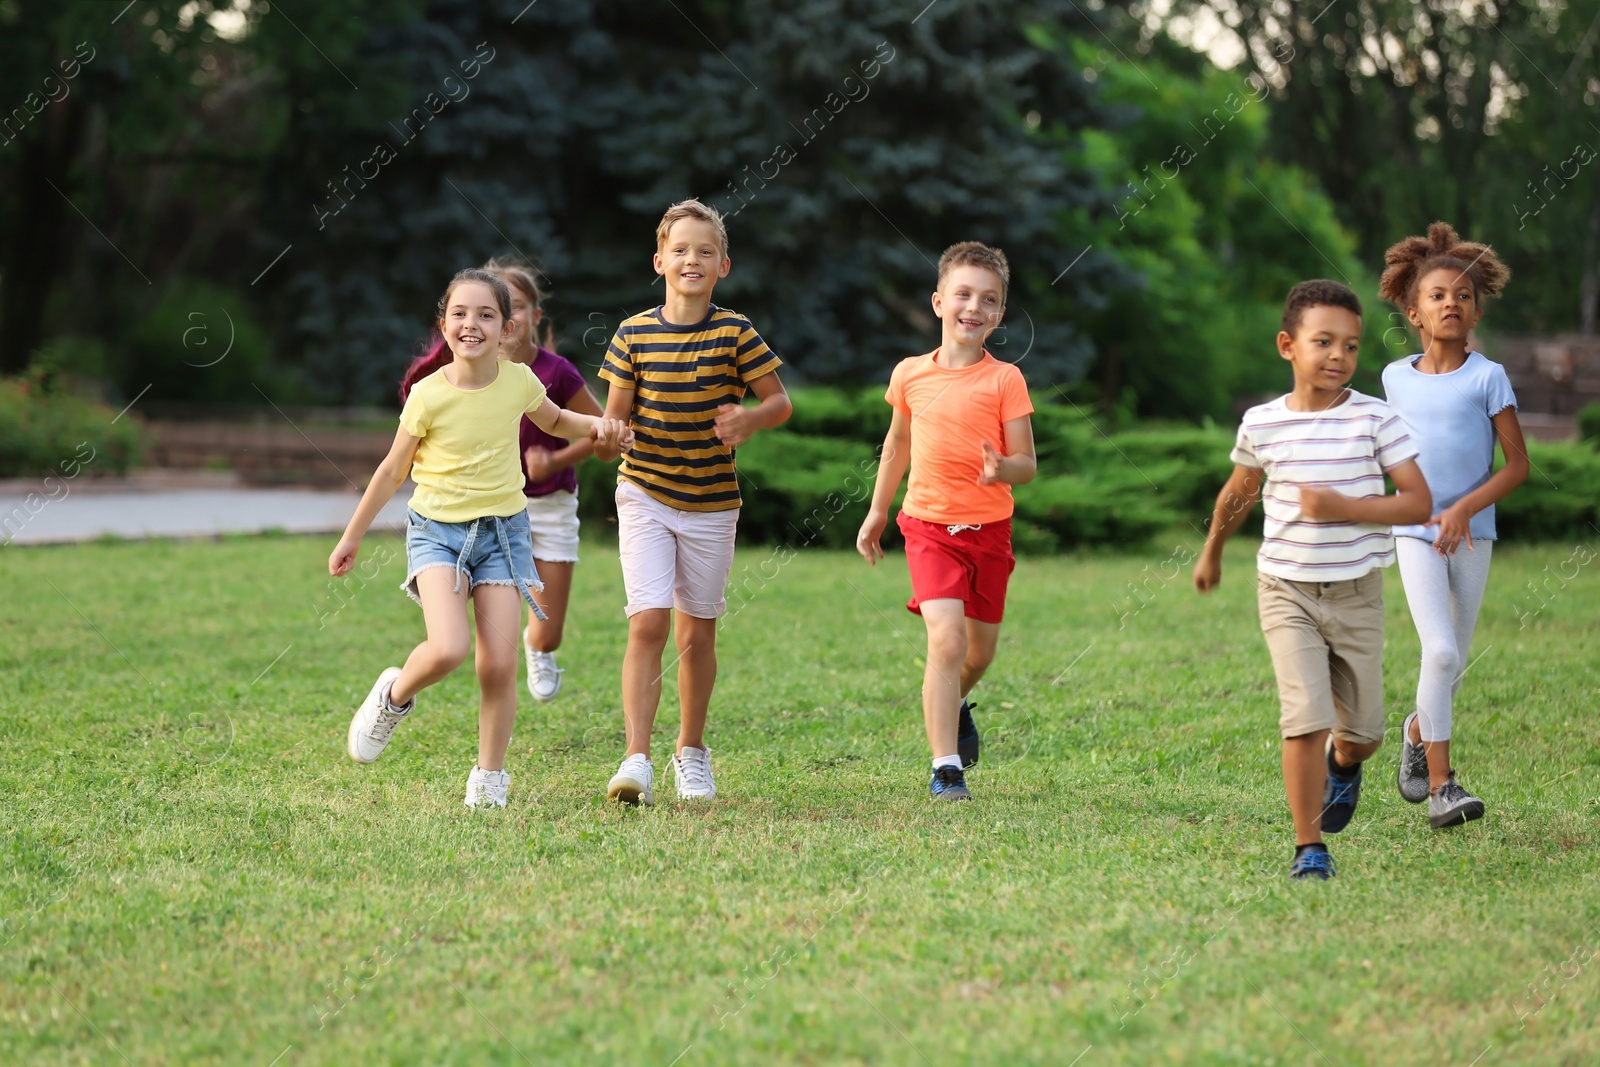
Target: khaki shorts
(1326, 640)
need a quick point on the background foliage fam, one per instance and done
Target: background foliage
(208, 161)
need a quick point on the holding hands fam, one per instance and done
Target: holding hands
(613, 435)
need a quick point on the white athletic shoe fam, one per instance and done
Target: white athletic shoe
(691, 769)
(544, 677)
(634, 781)
(486, 788)
(374, 723)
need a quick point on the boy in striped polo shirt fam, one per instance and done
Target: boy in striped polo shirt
(1322, 452)
(677, 374)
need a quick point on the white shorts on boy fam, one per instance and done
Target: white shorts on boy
(672, 558)
(553, 524)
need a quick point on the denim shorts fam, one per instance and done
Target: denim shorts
(488, 551)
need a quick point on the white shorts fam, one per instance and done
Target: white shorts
(672, 558)
(553, 522)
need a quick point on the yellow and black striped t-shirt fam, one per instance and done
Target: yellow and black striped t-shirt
(680, 375)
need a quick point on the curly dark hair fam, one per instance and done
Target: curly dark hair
(1318, 292)
(1408, 261)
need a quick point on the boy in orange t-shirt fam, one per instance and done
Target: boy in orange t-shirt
(951, 407)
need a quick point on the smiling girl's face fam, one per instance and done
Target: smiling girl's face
(1447, 304)
(472, 321)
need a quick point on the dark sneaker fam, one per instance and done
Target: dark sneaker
(1312, 864)
(949, 784)
(1452, 805)
(1339, 796)
(1413, 776)
(967, 740)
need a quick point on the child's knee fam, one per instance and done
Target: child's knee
(1441, 659)
(448, 653)
(650, 627)
(947, 645)
(495, 668)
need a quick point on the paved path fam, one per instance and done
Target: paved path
(150, 505)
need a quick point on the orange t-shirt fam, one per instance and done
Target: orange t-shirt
(952, 411)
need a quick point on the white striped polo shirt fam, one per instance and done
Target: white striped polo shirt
(1347, 448)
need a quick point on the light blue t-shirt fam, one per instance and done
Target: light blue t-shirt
(1449, 416)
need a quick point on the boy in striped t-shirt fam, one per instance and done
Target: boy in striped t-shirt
(1322, 452)
(677, 375)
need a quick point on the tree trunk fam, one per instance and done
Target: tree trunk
(33, 260)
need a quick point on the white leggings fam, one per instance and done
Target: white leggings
(1444, 595)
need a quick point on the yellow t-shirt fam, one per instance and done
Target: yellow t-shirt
(468, 464)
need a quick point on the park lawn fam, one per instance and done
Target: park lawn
(196, 873)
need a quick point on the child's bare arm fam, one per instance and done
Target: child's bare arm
(892, 466)
(619, 405)
(1239, 494)
(1411, 502)
(736, 423)
(1018, 465)
(564, 422)
(1454, 522)
(390, 476)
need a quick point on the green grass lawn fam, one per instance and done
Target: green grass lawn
(196, 873)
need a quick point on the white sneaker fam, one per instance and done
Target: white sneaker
(544, 677)
(633, 782)
(691, 769)
(374, 723)
(486, 788)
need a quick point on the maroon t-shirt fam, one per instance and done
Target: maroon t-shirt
(562, 381)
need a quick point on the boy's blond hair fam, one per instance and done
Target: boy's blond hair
(692, 209)
(976, 254)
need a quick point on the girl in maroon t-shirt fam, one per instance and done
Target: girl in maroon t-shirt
(552, 483)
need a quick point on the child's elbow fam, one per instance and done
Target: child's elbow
(1421, 508)
(782, 408)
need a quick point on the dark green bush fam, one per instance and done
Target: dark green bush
(46, 431)
(1560, 499)
(812, 489)
(1589, 423)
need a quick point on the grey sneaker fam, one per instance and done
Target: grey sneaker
(1413, 775)
(1452, 805)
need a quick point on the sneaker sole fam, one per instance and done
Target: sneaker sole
(629, 793)
(372, 696)
(1464, 814)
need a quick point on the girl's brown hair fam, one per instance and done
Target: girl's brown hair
(1409, 261)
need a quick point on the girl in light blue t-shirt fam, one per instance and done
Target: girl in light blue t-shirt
(1457, 403)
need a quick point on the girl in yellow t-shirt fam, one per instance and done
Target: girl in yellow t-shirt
(458, 440)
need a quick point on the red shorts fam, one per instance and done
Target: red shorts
(971, 565)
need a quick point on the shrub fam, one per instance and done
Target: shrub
(1560, 499)
(46, 431)
(1589, 423)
